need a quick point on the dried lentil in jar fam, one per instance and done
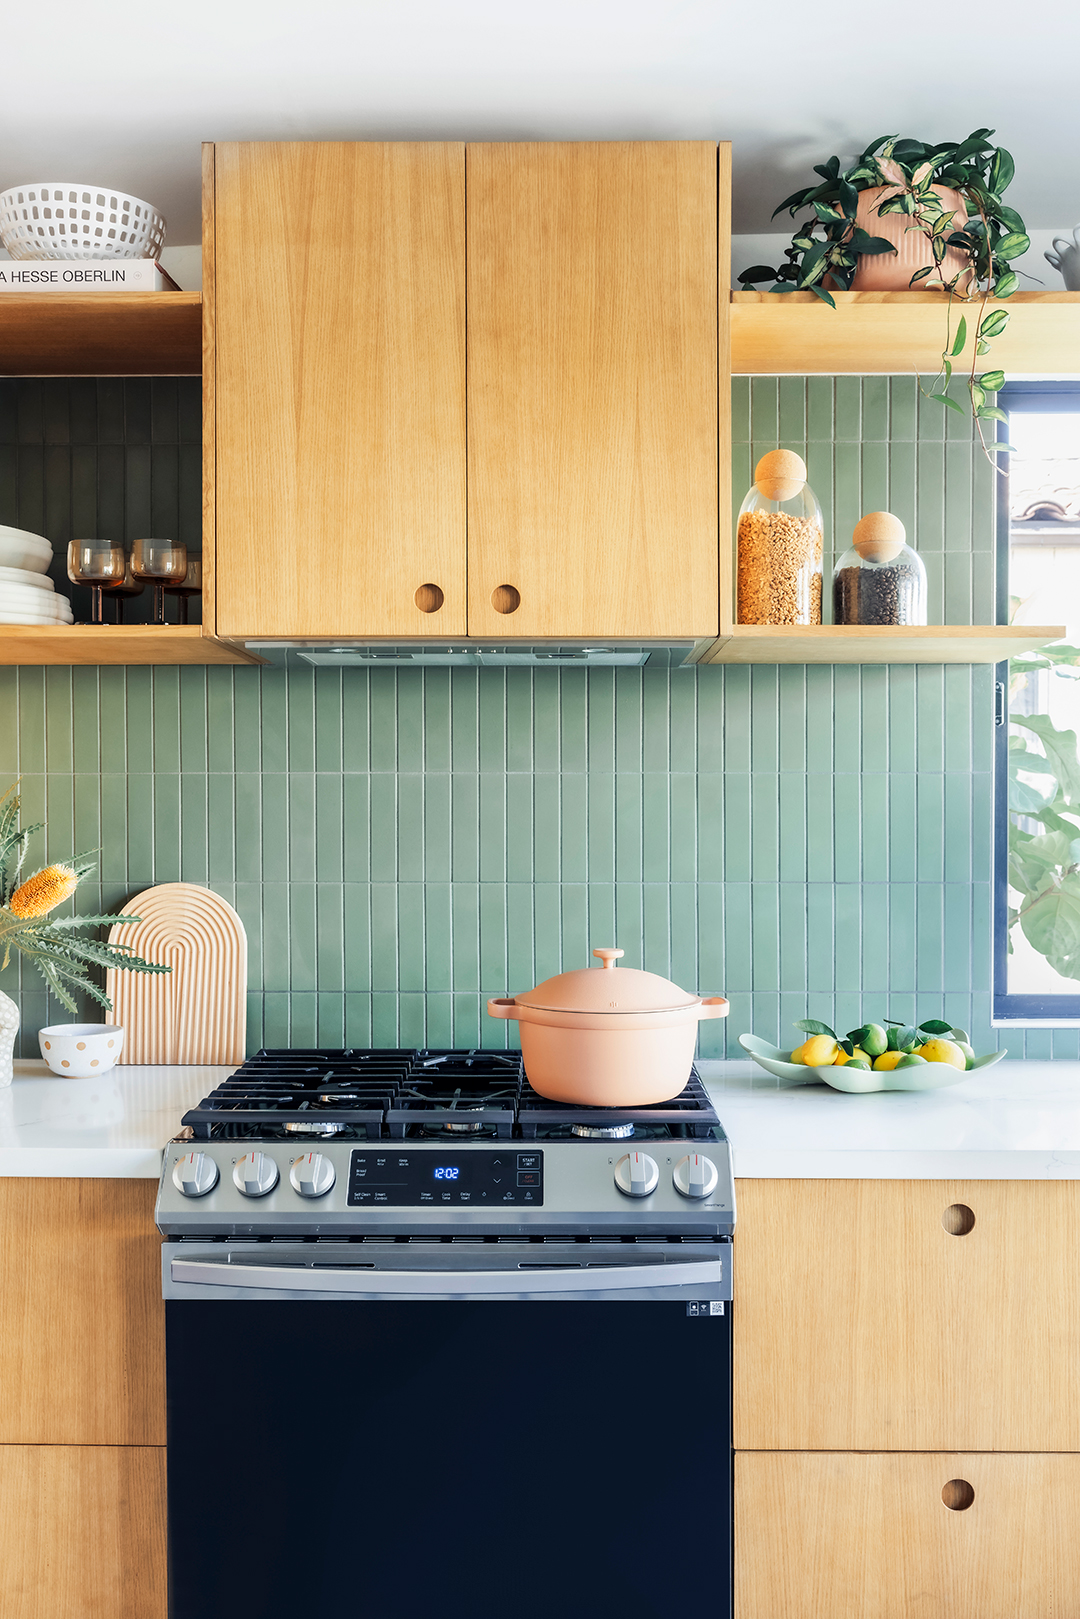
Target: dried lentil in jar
(780, 545)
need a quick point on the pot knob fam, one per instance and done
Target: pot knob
(636, 1174)
(312, 1175)
(255, 1174)
(695, 1176)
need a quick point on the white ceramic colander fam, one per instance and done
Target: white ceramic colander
(65, 219)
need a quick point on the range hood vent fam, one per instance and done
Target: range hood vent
(472, 657)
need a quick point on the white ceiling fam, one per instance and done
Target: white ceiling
(121, 92)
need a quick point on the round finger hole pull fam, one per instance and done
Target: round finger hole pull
(505, 599)
(958, 1495)
(958, 1219)
(429, 598)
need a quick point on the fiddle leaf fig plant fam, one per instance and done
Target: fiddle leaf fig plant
(826, 247)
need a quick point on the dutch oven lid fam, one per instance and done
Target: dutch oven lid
(613, 989)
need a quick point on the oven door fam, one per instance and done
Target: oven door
(396, 1449)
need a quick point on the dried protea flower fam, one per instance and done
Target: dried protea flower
(42, 892)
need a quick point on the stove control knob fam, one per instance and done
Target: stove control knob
(636, 1174)
(695, 1176)
(195, 1174)
(255, 1174)
(312, 1175)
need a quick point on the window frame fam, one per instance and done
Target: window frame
(1011, 1010)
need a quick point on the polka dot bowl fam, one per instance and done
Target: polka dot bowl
(80, 1050)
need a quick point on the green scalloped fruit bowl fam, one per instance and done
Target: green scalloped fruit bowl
(930, 1076)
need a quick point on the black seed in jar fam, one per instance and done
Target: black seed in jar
(878, 595)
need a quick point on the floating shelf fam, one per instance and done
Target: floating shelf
(874, 333)
(828, 643)
(101, 334)
(116, 644)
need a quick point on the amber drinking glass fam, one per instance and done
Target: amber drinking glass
(160, 563)
(127, 586)
(97, 563)
(191, 586)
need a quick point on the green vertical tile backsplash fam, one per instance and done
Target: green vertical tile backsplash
(402, 844)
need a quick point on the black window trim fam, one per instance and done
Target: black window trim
(1010, 1011)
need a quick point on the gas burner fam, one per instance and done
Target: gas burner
(602, 1132)
(338, 1098)
(314, 1127)
(465, 1127)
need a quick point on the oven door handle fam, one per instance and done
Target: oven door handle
(475, 1284)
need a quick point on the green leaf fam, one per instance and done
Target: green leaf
(951, 404)
(994, 324)
(934, 1025)
(992, 381)
(1014, 245)
(846, 1045)
(1060, 749)
(1006, 284)
(758, 272)
(811, 1025)
(826, 297)
(961, 337)
(1002, 170)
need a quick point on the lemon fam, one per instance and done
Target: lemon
(817, 1052)
(875, 1041)
(888, 1060)
(857, 1055)
(939, 1050)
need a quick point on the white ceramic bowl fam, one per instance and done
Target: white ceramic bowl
(78, 1050)
(927, 1076)
(70, 219)
(21, 548)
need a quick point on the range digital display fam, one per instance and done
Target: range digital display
(481, 1179)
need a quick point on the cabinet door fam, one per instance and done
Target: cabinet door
(593, 329)
(907, 1315)
(82, 1323)
(337, 373)
(818, 1536)
(82, 1532)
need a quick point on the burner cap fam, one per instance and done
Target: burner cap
(603, 1132)
(464, 1127)
(314, 1127)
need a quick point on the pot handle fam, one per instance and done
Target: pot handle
(505, 1009)
(713, 1006)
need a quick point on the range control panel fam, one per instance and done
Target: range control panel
(477, 1179)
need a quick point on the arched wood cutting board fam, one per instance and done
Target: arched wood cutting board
(198, 1012)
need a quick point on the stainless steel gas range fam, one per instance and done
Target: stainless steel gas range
(478, 1461)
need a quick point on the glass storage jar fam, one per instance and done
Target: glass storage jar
(881, 580)
(779, 545)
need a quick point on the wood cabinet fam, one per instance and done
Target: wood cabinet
(335, 389)
(906, 1536)
(593, 396)
(863, 1323)
(82, 1400)
(82, 1532)
(890, 1338)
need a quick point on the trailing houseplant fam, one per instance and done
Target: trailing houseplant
(62, 958)
(952, 195)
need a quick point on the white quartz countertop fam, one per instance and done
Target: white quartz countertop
(1015, 1121)
(112, 1126)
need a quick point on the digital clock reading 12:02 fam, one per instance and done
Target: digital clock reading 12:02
(447, 1173)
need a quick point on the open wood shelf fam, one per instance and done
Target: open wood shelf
(849, 643)
(101, 334)
(874, 333)
(116, 644)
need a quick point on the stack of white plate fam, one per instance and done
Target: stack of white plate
(27, 595)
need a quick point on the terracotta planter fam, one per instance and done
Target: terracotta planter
(615, 1038)
(892, 272)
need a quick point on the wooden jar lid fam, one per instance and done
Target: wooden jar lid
(879, 537)
(780, 475)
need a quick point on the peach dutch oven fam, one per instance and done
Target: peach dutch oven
(614, 1038)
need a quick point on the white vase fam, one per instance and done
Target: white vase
(9, 1028)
